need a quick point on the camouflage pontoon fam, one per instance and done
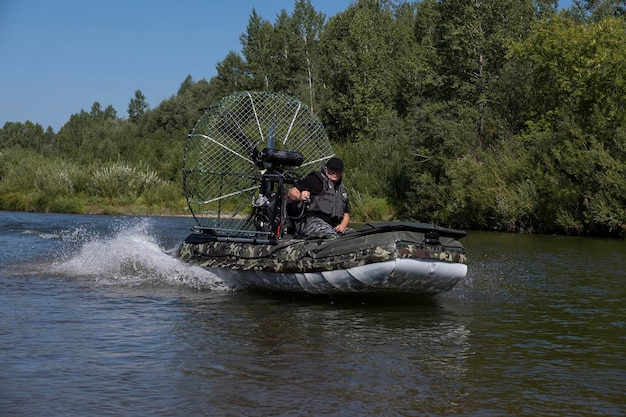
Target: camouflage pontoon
(241, 158)
(382, 258)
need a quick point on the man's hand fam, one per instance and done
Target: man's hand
(343, 226)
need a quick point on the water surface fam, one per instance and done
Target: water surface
(98, 318)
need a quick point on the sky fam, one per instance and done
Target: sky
(60, 57)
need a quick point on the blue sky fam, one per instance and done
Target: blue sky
(59, 57)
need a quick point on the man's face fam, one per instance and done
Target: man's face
(333, 174)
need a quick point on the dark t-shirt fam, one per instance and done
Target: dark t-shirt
(311, 183)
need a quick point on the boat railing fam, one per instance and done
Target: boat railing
(231, 232)
(210, 234)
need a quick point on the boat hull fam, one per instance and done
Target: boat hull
(407, 276)
(383, 258)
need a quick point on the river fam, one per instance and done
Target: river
(98, 318)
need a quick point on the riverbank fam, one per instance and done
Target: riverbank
(79, 204)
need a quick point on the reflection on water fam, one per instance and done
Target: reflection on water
(331, 357)
(548, 318)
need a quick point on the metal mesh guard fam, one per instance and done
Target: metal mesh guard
(220, 176)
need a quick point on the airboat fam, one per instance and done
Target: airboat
(241, 158)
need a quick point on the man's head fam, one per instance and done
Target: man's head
(334, 169)
(335, 164)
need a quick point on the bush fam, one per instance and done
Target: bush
(163, 194)
(53, 178)
(122, 183)
(67, 205)
(364, 208)
(17, 170)
(15, 201)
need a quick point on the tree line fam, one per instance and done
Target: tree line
(502, 115)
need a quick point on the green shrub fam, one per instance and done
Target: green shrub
(67, 205)
(19, 175)
(15, 201)
(123, 183)
(53, 179)
(365, 208)
(162, 193)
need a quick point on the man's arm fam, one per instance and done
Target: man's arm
(341, 227)
(296, 195)
(303, 190)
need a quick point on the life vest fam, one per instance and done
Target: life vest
(331, 201)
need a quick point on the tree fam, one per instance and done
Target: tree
(232, 75)
(137, 107)
(357, 67)
(27, 135)
(576, 118)
(306, 24)
(597, 10)
(262, 53)
(473, 37)
(412, 75)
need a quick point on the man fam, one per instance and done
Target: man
(328, 211)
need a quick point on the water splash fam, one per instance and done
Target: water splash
(130, 256)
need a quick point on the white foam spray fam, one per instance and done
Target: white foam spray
(131, 256)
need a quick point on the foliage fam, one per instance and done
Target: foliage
(576, 119)
(488, 114)
(31, 182)
(137, 107)
(365, 208)
(122, 183)
(358, 46)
